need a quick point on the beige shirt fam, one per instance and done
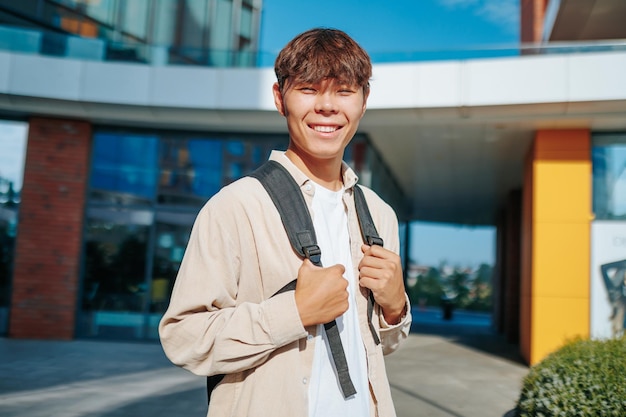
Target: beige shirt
(222, 318)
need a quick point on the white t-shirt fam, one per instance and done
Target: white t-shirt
(325, 397)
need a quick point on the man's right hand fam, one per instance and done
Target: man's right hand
(321, 293)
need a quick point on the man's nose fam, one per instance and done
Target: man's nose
(326, 103)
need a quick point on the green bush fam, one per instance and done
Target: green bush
(583, 378)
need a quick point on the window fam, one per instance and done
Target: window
(164, 22)
(124, 168)
(190, 170)
(221, 33)
(246, 54)
(172, 235)
(13, 138)
(115, 285)
(145, 192)
(194, 31)
(609, 176)
(134, 18)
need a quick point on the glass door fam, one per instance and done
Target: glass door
(171, 237)
(13, 138)
(115, 288)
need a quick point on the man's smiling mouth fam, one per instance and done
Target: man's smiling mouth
(325, 129)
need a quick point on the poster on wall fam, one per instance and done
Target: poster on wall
(608, 279)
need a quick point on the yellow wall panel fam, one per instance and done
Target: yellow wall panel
(563, 192)
(549, 331)
(556, 242)
(561, 260)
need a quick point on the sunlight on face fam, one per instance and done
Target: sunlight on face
(321, 117)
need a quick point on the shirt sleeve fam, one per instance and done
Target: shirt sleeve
(392, 335)
(207, 329)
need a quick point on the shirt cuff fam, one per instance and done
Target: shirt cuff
(284, 319)
(403, 319)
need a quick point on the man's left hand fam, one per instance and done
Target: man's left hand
(380, 270)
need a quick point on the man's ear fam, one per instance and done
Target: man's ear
(278, 99)
(366, 94)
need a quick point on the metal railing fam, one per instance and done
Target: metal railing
(50, 43)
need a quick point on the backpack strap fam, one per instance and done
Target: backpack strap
(371, 237)
(294, 213)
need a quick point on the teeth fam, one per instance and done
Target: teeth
(325, 129)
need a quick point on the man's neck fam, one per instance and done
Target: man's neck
(326, 172)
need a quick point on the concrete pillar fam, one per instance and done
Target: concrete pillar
(532, 16)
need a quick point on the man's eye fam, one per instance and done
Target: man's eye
(307, 89)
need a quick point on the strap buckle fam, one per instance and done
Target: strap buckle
(313, 254)
(374, 240)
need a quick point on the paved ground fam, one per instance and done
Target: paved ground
(456, 368)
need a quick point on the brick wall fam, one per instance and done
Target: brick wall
(532, 13)
(47, 252)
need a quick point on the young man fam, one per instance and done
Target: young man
(224, 316)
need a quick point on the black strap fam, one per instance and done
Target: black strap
(371, 237)
(289, 201)
(368, 230)
(211, 383)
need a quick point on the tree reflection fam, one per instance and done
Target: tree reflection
(117, 281)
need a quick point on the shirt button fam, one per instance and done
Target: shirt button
(307, 187)
(309, 337)
(304, 381)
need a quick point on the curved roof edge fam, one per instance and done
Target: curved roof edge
(536, 79)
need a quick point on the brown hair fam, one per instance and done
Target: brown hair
(322, 53)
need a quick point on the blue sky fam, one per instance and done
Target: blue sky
(456, 245)
(391, 30)
(394, 28)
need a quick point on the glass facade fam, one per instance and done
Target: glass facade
(189, 32)
(608, 236)
(13, 137)
(145, 191)
(609, 176)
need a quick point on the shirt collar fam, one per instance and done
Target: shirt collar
(349, 176)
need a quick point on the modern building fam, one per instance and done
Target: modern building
(220, 33)
(129, 133)
(92, 241)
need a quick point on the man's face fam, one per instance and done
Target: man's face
(321, 117)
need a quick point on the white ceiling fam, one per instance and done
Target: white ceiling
(458, 173)
(460, 168)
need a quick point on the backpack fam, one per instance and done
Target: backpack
(289, 201)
